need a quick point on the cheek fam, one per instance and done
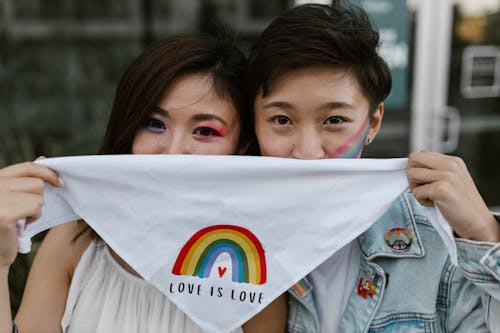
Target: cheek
(219, 146)
(264, 139)
(213, 149)
(137, 144)
(144, 143)
(271, 144)
(347, 146)
(277, 150)
(229, 144)
(140, 148)
(229, 147)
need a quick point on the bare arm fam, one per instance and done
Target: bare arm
(21, 197)
(44, 298)
(5, 313)
(270, 320)
(21, 188)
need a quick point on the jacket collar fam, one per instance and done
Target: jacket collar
(401, 215)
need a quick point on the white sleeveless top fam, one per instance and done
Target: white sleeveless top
(104, 297)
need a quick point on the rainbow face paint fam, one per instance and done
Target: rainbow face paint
(353, 145)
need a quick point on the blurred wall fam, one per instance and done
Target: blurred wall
(59, 64)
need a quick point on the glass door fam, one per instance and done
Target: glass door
(456, 86)
(474, 90)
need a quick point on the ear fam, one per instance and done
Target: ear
(375, 123)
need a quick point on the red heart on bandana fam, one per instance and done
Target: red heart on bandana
(222, 270)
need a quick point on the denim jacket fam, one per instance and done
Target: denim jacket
(415, 290)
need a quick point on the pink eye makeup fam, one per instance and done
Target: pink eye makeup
(210, 130)
(353, 145)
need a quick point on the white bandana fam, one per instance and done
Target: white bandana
(223, 236)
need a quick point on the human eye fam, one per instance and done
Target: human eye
(281, 120)
(334, 120)
(206, 132)
(155, 125)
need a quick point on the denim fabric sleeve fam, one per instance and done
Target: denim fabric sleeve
(480, 264)
(302, 312)
(491, 260)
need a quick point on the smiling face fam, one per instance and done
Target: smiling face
(315, 112)
(190, 118)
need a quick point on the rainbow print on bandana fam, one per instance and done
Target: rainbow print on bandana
(353, 146)
(198, 255)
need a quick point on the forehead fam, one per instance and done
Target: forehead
(186, 87)
(195, 91)
(317, 83)
(330, 76)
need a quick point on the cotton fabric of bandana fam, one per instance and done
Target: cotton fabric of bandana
(223, 236)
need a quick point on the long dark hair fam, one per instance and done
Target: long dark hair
(150, 75)
(154, 71)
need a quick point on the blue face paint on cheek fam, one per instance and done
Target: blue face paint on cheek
(353, 146)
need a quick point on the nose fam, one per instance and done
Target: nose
(308, 146)
(178, 145)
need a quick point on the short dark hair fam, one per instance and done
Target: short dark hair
(312, 34)
(147, 78)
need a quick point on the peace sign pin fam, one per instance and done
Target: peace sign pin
(398, 239)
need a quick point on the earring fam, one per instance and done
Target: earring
(368, 141)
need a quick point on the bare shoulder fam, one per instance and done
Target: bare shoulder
(272, 319)
(67, 243)
(49, 280)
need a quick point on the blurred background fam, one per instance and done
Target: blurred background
(60, 61)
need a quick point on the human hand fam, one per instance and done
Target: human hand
(21, 197)
(443, 180)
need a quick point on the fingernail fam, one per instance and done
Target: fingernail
(61, 183)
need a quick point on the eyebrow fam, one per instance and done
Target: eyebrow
(196, 117)
(208, 116)
(161, 111)
(323, 107)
